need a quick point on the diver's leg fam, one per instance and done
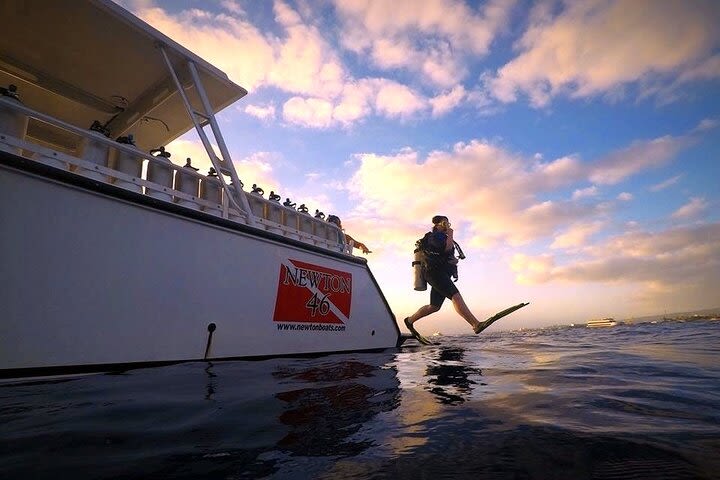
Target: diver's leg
(462, 309)
(423, 311)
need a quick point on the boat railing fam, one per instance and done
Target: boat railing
(123, 165)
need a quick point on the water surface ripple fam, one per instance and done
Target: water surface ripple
(634, 402)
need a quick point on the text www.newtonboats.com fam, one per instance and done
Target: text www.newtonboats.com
(311, 326)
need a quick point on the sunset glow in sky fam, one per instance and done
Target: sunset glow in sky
(574, 145)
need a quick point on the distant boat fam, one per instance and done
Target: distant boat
(601, 322)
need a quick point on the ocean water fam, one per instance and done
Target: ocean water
(633, 402)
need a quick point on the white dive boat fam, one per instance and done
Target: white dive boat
(113, 258)
(601, 322)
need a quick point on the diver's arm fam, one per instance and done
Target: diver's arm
(449, 242)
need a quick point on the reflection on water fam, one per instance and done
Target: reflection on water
(627, 402)
(210, 388)
(323, 417)
(449, 377)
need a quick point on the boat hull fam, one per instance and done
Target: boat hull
(93, 275)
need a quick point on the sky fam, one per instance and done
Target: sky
(574, 145)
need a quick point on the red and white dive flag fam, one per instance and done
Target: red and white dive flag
(311, 293)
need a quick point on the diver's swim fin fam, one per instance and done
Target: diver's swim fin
(498, 316)
(415, 333)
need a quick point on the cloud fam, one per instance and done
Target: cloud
(396, 100)
(232, 6)
(591, 47)
(678, 267)
(532, 269)
(266, 112)
(203, 32)
(431, 38)
(310, 112)
(495, 192)
(690, 210)
(585, 192)
(355, 103)
(576, 236)
(558, 172)
(445, 102)
(359, 99)
(502, 195)
(305, 63)
(665, 184)
(639, 156)
(299, 61)
(707, 124)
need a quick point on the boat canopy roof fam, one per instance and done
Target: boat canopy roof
(88, 60)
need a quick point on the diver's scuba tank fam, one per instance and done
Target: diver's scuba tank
(420, 284)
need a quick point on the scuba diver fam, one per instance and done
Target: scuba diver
(439, 268)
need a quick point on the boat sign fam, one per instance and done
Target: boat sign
(312, 293)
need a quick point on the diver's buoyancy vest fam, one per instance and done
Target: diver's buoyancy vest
(430, 256)
(435, 253)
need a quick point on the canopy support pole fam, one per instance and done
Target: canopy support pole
(223, 166)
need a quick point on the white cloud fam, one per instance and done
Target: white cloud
(305, 62)
(576, 236)
(558, 172)
(299, 61)
(677, 267)
(397, 100)
(707, 123)
(355, 102)
(232, 6)
(430, 37)
(359, 99)
(665, 184)
(266, 112)
(202, 32)
(690, 210)
(445, 102)
(502, 194)
(590, 47)
(585, 192)
(493, 190)
(639, 156)
(310, 112)
(531, 269)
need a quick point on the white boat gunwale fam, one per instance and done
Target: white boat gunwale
(66, 177)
